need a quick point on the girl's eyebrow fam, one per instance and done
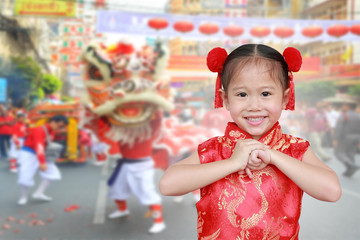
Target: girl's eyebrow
(238, 88)
(244, 88)
(268, 87)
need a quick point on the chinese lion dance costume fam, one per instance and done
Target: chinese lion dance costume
(125, 101)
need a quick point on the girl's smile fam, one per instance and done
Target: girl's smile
(255, 120)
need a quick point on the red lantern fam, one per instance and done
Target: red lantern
(233, 30)
(283, 32)
(158, 23)
(100, 3)
(355, 29)
(209, 28)
(183, 26)
(312, 31)
(260, 31)
(337, 30)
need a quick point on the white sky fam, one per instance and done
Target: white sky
(155, 6)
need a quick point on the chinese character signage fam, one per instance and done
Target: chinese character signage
(45, 8)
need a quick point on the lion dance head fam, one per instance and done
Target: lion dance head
(126, 85)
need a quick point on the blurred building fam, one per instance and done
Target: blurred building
(54, 42)
(338, 52)
(196, 7)
(23, 35)
(339, 59)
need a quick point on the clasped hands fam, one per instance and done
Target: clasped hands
(250, 155)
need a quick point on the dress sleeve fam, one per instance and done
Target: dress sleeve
(299, 148)
(209, 150)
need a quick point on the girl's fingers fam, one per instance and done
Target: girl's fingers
(248, 172)
(264, 156)
(254, 159)
(254, 156)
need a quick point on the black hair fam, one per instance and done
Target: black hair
(252, 52)
(59, 118)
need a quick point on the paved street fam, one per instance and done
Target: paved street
(84, 185)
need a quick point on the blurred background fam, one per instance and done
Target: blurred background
(40, 63)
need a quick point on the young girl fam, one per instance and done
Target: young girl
(252, 179)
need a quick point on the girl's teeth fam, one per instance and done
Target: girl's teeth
(255, 119)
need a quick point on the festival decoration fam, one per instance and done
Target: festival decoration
(158, 23)
(283, 32)
(299, 30)
(260, 31)
(183, 26)
(312, 31)
(337, 30)
(355, 29)
(233, 30)
(209, 28)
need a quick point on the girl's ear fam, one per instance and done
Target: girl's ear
(285, 98)
(224, 97)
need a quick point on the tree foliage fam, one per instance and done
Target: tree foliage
(23, 75)
(26, 82)
(354, 90)
(50, 84)
(313, 92)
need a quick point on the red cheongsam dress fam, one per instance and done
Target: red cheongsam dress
(236, 207)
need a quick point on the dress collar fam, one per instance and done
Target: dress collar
(234, 133)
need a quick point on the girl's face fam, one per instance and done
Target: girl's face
(255, 100)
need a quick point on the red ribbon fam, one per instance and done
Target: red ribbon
(291, 103)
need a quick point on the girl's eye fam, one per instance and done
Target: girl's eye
(265, 94)
(242, 94)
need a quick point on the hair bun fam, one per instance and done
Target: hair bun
(215, 59)
(293, 59)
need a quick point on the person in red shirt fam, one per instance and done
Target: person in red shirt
(134, 174)
(17, 139)
(32, 158)
(6, 124)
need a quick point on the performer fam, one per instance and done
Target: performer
(17, 139)
(99, 149)
(252, 179)
(125, 102)
(134, 173)
(347, 138)
(32, 158)
(6, 128)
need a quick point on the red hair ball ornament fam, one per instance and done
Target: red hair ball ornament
(215, 59)
(215, 62)
(294, 60)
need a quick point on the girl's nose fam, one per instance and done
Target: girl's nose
(254, 104)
